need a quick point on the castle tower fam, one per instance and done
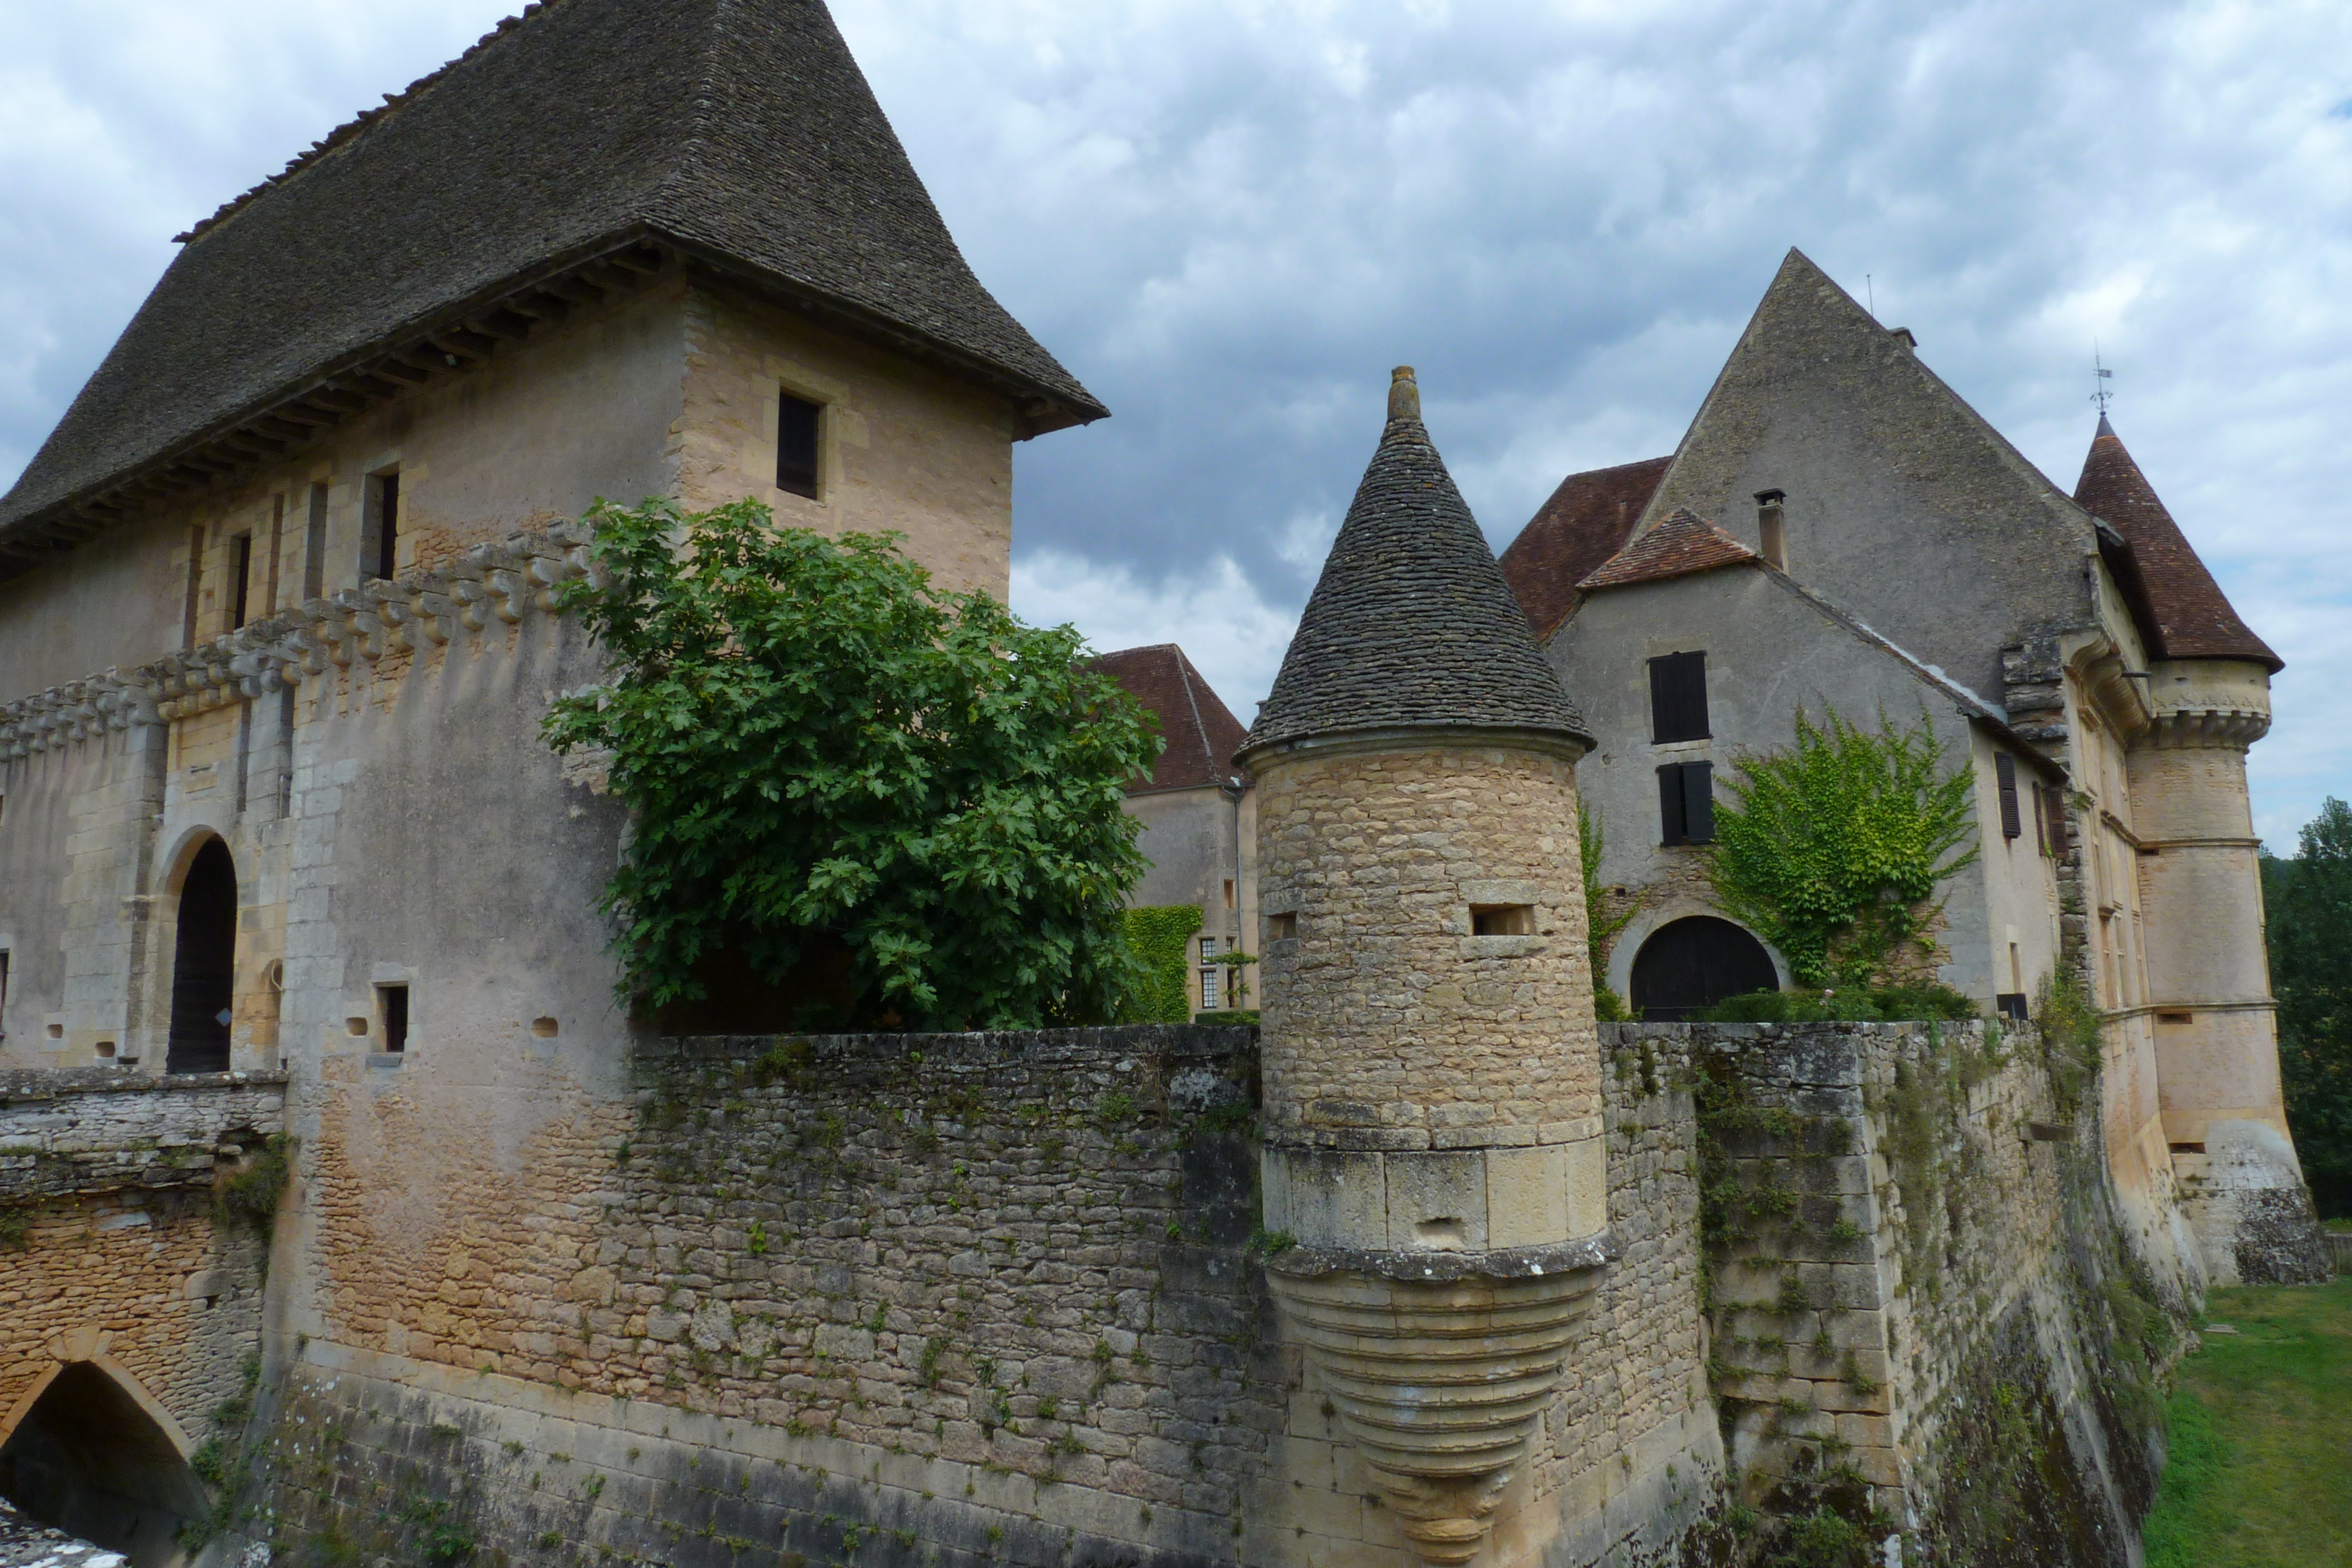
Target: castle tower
(2201, 898)
(1431, 1067)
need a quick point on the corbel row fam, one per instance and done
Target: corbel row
(492, 583)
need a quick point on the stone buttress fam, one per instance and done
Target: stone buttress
(1434, 1162)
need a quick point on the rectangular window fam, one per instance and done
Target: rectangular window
(240, 563)
(394, 1000)
(1686, 803)
(196, 588)
(1208, 949)
(1229, 893)
(1502, 920)
(3, 993)
(2004, 772)
(1209, 990)
(314, 545)
(277, 551)
(2012, 1005)
(796, 445)
(1678, 697)
(380, 529)
(2053, 802)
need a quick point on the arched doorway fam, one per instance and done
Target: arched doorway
(203, 964)
(89, 1460)
(1694, 963)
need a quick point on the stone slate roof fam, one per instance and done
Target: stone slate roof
(1412, 623)
(739, 130)
(2193, 619)
(1676, 545)
(1200, 733)
(1587, 520)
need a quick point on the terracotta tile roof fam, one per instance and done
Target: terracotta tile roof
(1677, 545)
(739, 132)
(1201, 734)
(1410, 624)
(2194, 618)
(1585, 522)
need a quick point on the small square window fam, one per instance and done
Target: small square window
(1281, 928)
(1502, 920)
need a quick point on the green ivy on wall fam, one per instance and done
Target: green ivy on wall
(1831, 849)
(1160, 940)
(1600, 927)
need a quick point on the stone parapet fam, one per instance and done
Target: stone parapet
(94, 1130)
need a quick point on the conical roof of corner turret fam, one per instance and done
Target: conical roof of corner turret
(2194, 620)
(1411, 624)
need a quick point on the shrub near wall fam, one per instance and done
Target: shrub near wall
(1159, 938)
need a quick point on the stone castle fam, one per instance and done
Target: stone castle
(347, 1218)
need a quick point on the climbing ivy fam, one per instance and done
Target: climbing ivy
(1831, 849)
(1158, 935)
(839, 777)
(1600, 927)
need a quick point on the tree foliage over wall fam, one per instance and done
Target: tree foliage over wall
(1160, 937)
(826, 761)
(1600, 927)
(2309, 903)
(1830, 850)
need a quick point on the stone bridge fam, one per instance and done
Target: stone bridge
(133, 1221)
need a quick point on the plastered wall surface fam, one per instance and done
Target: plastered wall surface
(902, 449)
(1188, 836)
(118, 601)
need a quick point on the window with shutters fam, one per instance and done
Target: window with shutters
(796, 445)
(1678, 697)
(2004, 772)
(1686, 803)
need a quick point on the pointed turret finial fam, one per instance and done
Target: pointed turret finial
(1404, 395)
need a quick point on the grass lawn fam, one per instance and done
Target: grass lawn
(2260, 1469)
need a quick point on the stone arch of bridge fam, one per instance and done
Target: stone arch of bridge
(88, 1448)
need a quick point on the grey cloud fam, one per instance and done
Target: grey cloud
(1231, 217)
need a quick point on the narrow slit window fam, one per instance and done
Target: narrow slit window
(796, 445)
(394, 1001)
(1679, 698)
(240, 564)
(2004, 772)
(380, 547)
(196, 588)
(314, 545)
(1686, 803)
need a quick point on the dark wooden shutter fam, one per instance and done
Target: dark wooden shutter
(796, 421)
(2004, 770)
(1672, 825)
(2041, 822)
(1698, 802)
(2054, 797)
(1678, 697)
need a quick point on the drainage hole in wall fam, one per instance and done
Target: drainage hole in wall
(356, 1027)
(56, 1031)
(543, 1027)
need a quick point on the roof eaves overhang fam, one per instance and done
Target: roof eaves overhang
(452, 340)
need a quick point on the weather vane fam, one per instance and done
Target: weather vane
(2103, 376)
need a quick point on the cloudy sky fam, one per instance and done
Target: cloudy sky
(1230, 217)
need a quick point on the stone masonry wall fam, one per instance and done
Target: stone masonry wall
(112, 1245)
(911, 1298)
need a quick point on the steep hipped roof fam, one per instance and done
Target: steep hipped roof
(741, 131)
(1676, 545)
(2194, 618)
(1411, 624)
(1585, 522)
(1200, 733)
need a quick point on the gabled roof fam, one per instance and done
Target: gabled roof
(1201, 734)
(739, 132)
(1676, 545)
(2193, 619)
(1410, 624)
(1585, 522)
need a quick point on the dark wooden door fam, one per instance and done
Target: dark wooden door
(204, 965)
(1694, 963)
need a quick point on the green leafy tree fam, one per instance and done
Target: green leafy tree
(2309, 901)
(1831, 849)
(828, 762)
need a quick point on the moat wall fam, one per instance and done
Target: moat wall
(1001, 1299)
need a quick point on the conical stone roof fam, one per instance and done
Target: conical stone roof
(1411, 624)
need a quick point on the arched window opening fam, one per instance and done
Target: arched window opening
(203, 964)
(1694, 963)
(89, 1460)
